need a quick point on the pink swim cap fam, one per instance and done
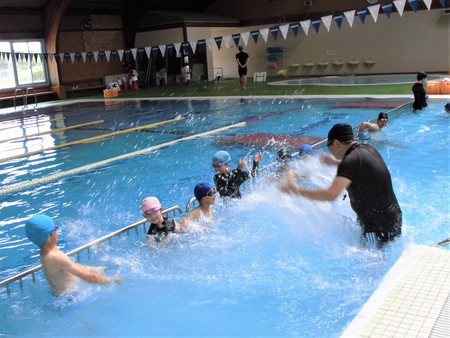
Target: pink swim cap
(150, 203)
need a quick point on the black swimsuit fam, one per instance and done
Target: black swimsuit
(160, 233)
(229, 186)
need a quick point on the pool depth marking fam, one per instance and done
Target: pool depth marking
(53, 131)
(89, 139)
(20, 186)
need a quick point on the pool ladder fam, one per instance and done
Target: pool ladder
(25, 95)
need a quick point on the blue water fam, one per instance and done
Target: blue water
(271, 265)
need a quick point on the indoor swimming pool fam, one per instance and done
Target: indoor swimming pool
(270, 265)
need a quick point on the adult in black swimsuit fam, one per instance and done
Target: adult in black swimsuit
(420, 95)
(362, 171)
(242, 61)
(228, 182)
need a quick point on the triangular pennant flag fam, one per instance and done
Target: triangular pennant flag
(294, 28)
(284, 30)
(141, 53)
(227, 39)
(148, 51)
(120, 52)
(95, 56)
(244, 37)
(193, 46)
(61, 57)
(305, 26)
(154, 52)
(274, 31)
(327, 21)
(51, 57)
(427, 3)
(338, 19)
(170, 50)
(90, 55)
(316, 24)
(108, 55)
(55, 55)
(133, 52)
(162, 49)
(177, 46)
(185, 46)
(400, 5)
(387, 9)
(35, 55)
(101, 55)
(83, 56)
(264, 33)
(25, 56)
(443, 3)
(236, 38)
(218, 41)
(72, 57)
(374, 10)
(414, 4)
(210, 43)
(362, 14)
(255, 35)
(350, 16)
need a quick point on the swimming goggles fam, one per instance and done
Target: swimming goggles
(218, 165)
(212, 192)
(329, 143)
(151, 212)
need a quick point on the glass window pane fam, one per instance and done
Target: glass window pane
(6, 67)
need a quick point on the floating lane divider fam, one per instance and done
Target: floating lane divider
(53, 131)
(85, 140)
(32, 123)
(46, 179)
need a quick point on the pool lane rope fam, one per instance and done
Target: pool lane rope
(46, 179)
(88, 139)
(53, 131)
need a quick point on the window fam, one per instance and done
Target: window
(22, 64)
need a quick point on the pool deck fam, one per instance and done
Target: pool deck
(412, 301)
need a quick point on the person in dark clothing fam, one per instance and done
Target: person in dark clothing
(420, 95)
(228, 181)
(161, 228)
(242, 61)
(362, 171)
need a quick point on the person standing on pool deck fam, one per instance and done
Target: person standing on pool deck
(228, 181)
(242, 61)
(161, 228)
(362, 171)
(60, 271)
(420, 95)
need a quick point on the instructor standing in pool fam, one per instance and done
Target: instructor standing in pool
(362, 171)
(242, 61)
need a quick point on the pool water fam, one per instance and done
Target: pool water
(271, 264)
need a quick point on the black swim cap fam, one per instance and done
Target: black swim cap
(341, 132)
(383, 116)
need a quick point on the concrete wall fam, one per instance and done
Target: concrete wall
(416, 41)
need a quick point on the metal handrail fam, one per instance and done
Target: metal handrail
(35, 96)
(18, 90)
(18, 277)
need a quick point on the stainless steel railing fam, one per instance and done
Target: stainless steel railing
(19, 277)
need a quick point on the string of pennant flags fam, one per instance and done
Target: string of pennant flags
(294, 27)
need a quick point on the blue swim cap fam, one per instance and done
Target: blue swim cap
(222, 156)
(38, 229)
(202, 189)
(305, 149)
